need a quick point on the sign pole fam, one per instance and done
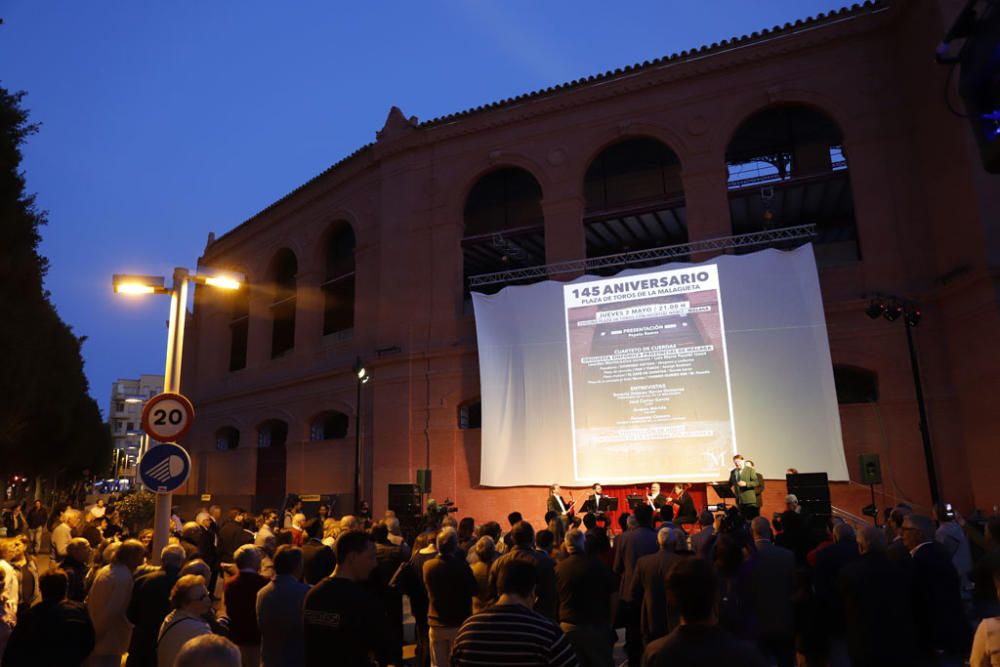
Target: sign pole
(171, 383)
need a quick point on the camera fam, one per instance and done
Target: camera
(436, 509)
(949, 511)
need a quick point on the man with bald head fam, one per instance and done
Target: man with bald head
(934, 590)
(649, 586)
(875, 593)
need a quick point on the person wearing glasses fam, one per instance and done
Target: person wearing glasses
(191, 602)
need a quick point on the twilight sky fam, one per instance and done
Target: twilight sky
(164, 121)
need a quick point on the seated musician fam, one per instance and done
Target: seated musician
(686, 512)
(654, 498)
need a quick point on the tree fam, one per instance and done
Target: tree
(49, 424)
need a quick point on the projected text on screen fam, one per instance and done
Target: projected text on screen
(649, 375)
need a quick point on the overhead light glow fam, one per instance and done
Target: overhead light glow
(134, 288)
(222, 282)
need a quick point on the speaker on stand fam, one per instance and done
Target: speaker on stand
(871, 474)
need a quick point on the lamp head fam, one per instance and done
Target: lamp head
(124, 283)
(229, 280)
(875, 309)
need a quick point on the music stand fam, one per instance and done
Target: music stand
(612, 505)
(635, 502)
(588, 507)
(723, 490)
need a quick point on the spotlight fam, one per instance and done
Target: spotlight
(893, 311)
(875, 309)
(913, 316)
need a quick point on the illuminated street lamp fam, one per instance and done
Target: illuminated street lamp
(137, 284)
(363, 377)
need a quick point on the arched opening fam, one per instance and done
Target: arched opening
(271, 460)
(226, 438)
(284, 267)
(504, 225)
(788, 167)
(634, 199)
(330, 425)
(470, 414)
(239, 327)
(855, 385)
(338, 282)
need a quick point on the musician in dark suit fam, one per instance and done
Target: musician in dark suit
(558, 504)
(597, 501)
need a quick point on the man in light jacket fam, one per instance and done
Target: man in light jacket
(108, 603)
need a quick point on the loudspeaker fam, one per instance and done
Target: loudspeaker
(813, 491)
(424, 479)
(871, 469)
(404, 500)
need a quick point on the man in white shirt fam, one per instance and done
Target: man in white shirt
(63, 533)
(108, 603)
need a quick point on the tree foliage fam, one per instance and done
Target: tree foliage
(48, 422)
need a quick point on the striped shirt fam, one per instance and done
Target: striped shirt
(511, 634)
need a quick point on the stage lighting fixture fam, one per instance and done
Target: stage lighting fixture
(893, 311)
(913, 316)
(875, 309)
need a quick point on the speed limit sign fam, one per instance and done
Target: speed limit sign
(167, 417)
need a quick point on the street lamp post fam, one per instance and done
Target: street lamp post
(178, 291)
(363, 376)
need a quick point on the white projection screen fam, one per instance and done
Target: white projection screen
(660, 373)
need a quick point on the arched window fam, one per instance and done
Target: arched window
(227, 438)
(788, 167)
(331, 425)
(239, 328)
(272, 433)
(855, 385)
(504, 225)
(634, 199)
(470, 414)
(283, 270)
(338, 283)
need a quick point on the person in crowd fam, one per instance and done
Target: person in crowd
(150, 604)
(772, 591)
(825, 576)
(795, 529)
(319, 558)
(341, 618)
(523, 538)
(176, 525)
(63, 533)
(93, 529)
(99, 509)
(38, 516)
(983, 594)
(986, 642)
(598, 542)
(450, 589)
(146, 537)
(735, 613)
(649, 586)
(897, 551)
(108, 601)
(706, 522)
(240, 598)
(191, 602)
(692, 589)
(942, 631)
(545, 544)
(509, 632)
(396, 536)
(208, 651)
(410, 580)
(587, 596)
(951, 536)
(232, 534)
(875, 598)
(279, 611)
(15, 551)
(298, 529)
(56, 632)
(113, 528)
(293, 507)
(8, 604)
(466, 534)
(207, 540)
(266, 525)
(629, 548)
(485, 553)
(75, 565)
(759, 490)
(743, 480)
(322, 512)
(389, 557)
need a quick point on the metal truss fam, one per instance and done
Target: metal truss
(661, 254)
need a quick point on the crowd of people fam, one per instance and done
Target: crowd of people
(281, 589)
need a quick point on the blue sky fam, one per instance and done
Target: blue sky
(164, 121)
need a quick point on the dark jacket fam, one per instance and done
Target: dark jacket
(54, 634)
(649, 587)
(548, 599)
(937, 603)
(629, 548)
(149, 606)
(450, 589)
(772, 589)
(232, 536)
(875, 593)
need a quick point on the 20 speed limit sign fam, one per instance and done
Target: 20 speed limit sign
(167, 417)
